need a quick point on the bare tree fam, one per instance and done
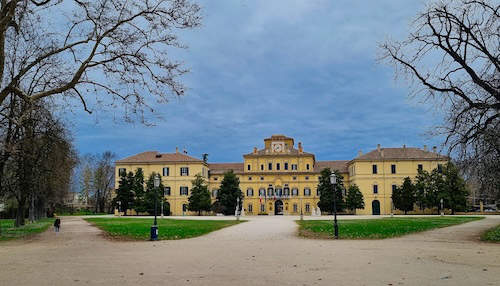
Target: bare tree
(97, 175)
(115, 50)
(452, 58)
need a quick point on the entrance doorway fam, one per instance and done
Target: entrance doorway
(278, 207)
(375, 207)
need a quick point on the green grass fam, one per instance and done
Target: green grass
(492, 235)
(139, 228)
(376, 228)
(8, 231)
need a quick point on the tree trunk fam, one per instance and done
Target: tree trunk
(20, 213)
(31, 215)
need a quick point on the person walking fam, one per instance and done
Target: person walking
(57, 224)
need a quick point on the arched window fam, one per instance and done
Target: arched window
(262, 192)
(286, 191)
(270, 192)
(308, 208)
(307, 192)
(279, 192)
(249, 192)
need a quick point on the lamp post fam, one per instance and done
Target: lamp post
(162, 199)
(301, 214)
(154, 228)
(333, 181)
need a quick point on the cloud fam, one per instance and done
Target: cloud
(302, 68)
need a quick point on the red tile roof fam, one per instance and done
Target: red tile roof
(155, 156)
(221, 168)
(406, 153)
(340, 165)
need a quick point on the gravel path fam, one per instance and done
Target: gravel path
(262, 251)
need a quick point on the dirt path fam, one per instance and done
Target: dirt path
(263, 251)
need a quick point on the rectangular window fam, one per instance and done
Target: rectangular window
(294, 167)
(394, 187)
(270, 192)
(166, 191)
(307, 166)
(375, 189)
(262, 192)
(166, 171)
(440, 168)
(250, 208)
(248, 167)
(278, 166)
(286, 166)
(295, 192)
(420, 167)
(262, 208)
(184, 191)
(270, 166)
(184, 171)
(122, 171)
(295, 208)
(317, 192)
(214, 193)
(374, 169)
(250, 193)
(307, 192)
(262, 167)
(308, 208)
(393, 169)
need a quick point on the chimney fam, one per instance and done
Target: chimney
(360, 153)
(434, 149)
(378, 147)
(300, 148)
(255, 150)
(176, 150)
(425, 147)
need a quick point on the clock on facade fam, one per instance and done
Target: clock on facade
(277, 146)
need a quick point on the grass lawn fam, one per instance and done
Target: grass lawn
(8, 231)
(376, 228)
(492, 235)
(139, 228)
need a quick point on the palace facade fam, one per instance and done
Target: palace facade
(281, 178)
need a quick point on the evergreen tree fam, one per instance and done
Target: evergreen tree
(435, 190)
(138, 188)
(354, 199)
(228, 192)
(124, 193)
(404, 196)
(153, 194)
(454, 189)
(326, 191)
(423, 186)
(199, 200)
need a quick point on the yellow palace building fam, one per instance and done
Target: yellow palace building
(281, 178)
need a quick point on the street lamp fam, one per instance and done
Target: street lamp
(154, 228)
(333, 181)
(162, 199)
(301, 214)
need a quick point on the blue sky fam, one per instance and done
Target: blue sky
(306, 69)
